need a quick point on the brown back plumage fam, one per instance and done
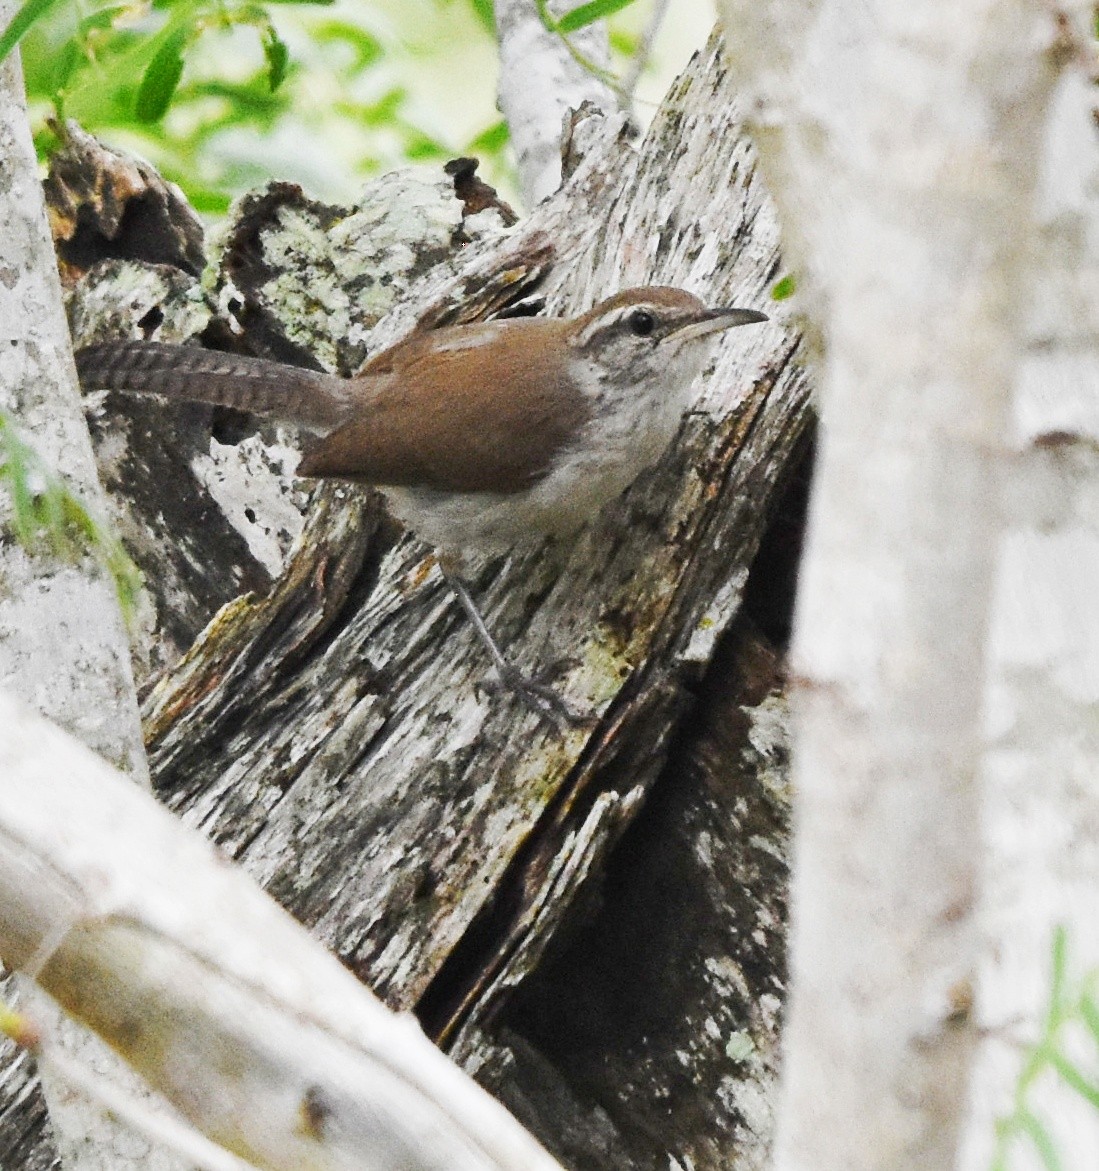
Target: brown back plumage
(440, 410)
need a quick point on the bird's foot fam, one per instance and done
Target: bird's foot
(537, 697)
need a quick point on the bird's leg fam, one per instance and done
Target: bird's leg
(542, 700)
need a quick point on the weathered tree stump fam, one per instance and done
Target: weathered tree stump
(590, 919)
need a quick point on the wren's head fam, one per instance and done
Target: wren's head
(651, 336)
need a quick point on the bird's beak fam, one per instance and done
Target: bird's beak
(711, 320)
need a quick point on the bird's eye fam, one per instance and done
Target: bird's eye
(642, 322)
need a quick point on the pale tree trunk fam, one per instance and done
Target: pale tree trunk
(586, 917)
(62, 642)
(905, 145)
(259, 1037)
(1041, 866)
(540, 81)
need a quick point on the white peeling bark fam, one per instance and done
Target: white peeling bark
(257, 1035)
(903, 143)
(62, 642)
(539, 82)
(1042, 864)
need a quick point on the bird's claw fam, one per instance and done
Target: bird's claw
(539, 698)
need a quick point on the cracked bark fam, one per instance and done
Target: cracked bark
(590, 921)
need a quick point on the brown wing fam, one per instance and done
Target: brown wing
(434, 413)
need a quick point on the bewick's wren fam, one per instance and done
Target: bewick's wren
(482, 436)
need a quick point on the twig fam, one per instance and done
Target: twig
(644, 52)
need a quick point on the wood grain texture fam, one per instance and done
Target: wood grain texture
(335, 737)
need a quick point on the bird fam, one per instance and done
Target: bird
(483, 437)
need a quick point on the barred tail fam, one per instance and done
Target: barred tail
(305, 398)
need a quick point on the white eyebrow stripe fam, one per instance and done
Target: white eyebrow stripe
(609, 320)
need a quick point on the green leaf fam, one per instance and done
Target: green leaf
(422, 148)
(102, 19)
(31, 11)
(45, 512)
(485, 14)
(1089, 1012)
(1077, 1080)
(367, 48)
(59, 68)
(161, 78)
(783, 288)
(207, 200)
(1041, 1138)
(1058, 965)
(491, 141)
(15, 461)
(624, 41)
(589, 13)
(46, 141)
(384, 111)
(277, 55)
(545, 16)
(53, 516)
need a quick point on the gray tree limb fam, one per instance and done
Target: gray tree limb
(540, 81)
(218, 998)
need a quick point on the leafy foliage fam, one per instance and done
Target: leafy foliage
(221, 94)
(485, 14)
(161, 77)
(28, 14)
(579, 17)
(47, 517)
(1072, 1015)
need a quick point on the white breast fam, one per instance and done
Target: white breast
(629, 430)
